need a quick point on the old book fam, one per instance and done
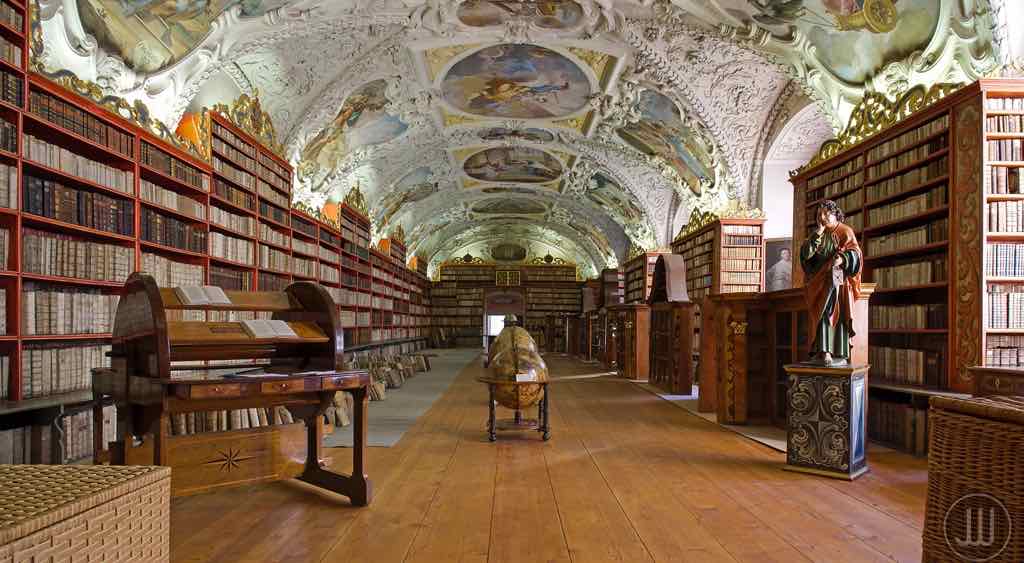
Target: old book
(202, 295)
(6, 446)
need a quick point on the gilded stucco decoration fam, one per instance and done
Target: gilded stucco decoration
(362, 94)
(876, 113)
(247, 114)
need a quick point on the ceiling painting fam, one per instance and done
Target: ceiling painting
(508, 252)
(610, 196)
(600, 63)
(439, 57)
(530, 135)
(363, 120)
(508, 206)
(414, 187)
(661, 132)
(150, 35)
(853, 38)
(482, 124)
(518, 81)
(545, 14)
(513, 164)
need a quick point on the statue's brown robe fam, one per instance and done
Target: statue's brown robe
(830, 307)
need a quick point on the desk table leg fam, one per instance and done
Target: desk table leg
(357, 487)
(545, 417)
(491, 430)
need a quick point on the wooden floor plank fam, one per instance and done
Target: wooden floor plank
(626, 477)
(596, 528)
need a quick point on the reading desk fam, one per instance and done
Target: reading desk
(163, 366)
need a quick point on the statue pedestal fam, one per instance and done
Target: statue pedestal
(827, 412)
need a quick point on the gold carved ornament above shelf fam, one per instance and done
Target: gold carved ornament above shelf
(317, 214)
(700, 218)
(876, 113)
(398, 235)
(357, 201)
(246, 113)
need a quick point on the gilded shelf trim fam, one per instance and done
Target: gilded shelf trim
(553, 261)
(698, 220)
(357, 201)
(398, 235)
(316, 214)
(876, 113)
(246, 113)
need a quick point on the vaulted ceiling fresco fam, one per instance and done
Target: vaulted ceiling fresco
(579, 129)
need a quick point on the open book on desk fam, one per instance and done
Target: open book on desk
(201, 295)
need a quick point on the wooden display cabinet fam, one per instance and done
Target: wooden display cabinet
(631, 347)
(671, 340)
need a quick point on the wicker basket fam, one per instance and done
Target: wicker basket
(976, 447)
(88, 513)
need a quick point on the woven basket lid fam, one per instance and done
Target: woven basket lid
(33, 497)
(998, 408)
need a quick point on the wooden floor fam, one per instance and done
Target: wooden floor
(625, 477)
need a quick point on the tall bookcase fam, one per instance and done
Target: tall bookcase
(722, 255)
(638, 274)
(552, 295)
(936, 201)
(87, 197)
(457, 300)
(613, 287)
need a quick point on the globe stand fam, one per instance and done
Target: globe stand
(540, 424)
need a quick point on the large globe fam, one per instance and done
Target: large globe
(514, 357)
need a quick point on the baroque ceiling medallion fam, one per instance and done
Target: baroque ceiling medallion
(513, 164)
(516, 81)
(438, 58)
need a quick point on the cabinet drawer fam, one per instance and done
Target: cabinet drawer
(340, 382)
(218, 391)
(286, 386)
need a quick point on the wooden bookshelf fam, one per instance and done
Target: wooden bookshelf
(934, 200)
(185, 194)
(613, 287)
(723, 255)
(638, 275)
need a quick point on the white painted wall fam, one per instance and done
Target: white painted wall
(777, 194)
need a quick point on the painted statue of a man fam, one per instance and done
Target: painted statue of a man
(831, 260)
